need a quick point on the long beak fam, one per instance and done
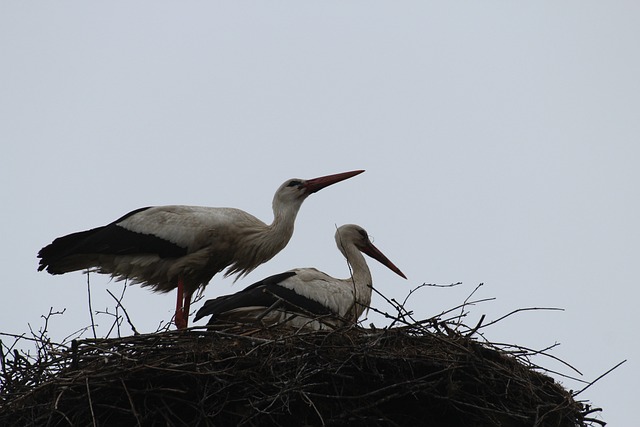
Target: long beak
(375, 253)
(317, 184)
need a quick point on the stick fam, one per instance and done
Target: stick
(601, 376)
(93, 324)
(93, 416)
(133, 328)
(519, 310)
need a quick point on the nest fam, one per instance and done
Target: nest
(421, 374)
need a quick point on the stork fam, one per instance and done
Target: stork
(168, 247)
(306, 297)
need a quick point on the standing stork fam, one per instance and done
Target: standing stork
(165, 247)
(306, 297)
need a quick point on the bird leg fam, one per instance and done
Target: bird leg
(180, 320)
(186, 306)
(182, 305)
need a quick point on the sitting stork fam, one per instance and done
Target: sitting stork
(165, 247)
(306, 297)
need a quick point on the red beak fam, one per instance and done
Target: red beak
(317, 184)
(375, 253)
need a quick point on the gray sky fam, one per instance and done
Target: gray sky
(500, 141)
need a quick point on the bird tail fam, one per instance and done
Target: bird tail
(64, 254)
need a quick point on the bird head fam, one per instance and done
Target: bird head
(356, 235)
(295, 190)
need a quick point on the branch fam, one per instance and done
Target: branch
(118, 301)
(519, 310)
(600, 377)
(93, 324)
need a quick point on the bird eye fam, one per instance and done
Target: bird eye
(363, 233)
(294, 183)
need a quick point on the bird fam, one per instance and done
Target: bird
(306, 297)
(183, 247)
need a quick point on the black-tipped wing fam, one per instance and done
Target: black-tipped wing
(110, 239)
(264, 293)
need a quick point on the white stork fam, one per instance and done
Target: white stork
(306, 297)
(165, 247)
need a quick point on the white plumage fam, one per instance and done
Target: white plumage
(165, 247)
(306, 297)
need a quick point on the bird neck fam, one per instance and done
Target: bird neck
(279, 232)
(360, 277)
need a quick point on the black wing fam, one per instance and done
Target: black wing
(264, 293)
(110, 239)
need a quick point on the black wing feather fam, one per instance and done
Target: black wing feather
(264, 293)
(110, 239)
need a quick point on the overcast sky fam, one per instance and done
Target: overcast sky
(500, 142)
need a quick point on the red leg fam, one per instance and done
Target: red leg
(186, 306)
(180, 320)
